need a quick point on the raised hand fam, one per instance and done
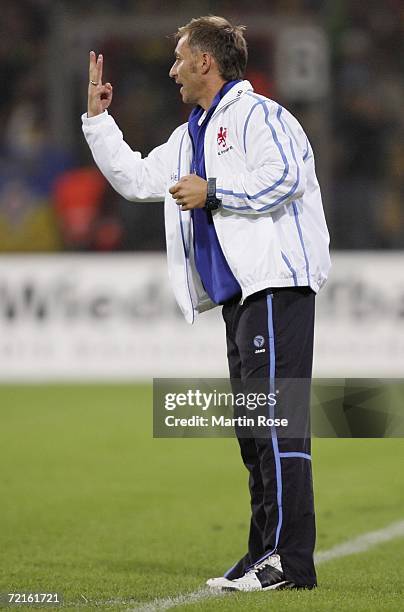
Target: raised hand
(99, 95)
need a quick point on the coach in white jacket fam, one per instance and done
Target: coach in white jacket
(245, 228)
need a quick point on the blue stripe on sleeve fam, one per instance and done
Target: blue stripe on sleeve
(286, 196)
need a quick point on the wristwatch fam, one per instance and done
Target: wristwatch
(212, 202)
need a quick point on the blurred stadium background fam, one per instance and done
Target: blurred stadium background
(84, 295)
(83, 289)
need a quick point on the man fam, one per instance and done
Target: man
(245, 229)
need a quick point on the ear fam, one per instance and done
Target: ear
(206, 62)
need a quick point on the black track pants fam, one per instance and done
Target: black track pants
(280, 477)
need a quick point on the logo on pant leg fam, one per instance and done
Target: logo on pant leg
(259, 342)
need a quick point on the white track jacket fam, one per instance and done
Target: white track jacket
(271, 225)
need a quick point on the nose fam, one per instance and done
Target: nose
(173, 71)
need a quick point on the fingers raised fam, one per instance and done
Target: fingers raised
(100, 61)
(95, 68)
(92, 70)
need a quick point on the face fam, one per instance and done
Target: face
(185, 72)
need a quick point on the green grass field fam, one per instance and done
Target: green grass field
(93, 507)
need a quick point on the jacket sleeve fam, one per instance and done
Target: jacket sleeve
(274, 172)
(131, 176)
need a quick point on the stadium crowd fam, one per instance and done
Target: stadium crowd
(53, 199)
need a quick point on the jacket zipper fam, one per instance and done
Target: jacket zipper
(217, 111)
(186, 250)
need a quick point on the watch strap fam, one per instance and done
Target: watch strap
(211, 187)
(212, 202)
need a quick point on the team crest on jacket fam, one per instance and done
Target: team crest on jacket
(221, 137)
(222, 141)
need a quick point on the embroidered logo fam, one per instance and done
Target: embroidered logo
(222, 141)
(221, 137)
(259, 342)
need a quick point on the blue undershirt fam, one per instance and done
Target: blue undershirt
(217, 278)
